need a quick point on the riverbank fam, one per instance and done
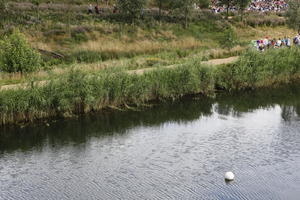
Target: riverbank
(80, 92)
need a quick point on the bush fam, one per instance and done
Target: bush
(256, 70)
(229, 38)
(259, 19)
(17, 56)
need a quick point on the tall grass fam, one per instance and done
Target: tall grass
(255, 69)
(80, 92)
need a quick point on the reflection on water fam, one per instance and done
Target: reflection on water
(176, 150)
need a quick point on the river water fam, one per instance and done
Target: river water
(177, 150)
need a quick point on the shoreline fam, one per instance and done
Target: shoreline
(80, 93)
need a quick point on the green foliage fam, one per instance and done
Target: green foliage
(242, 5)
(227, 4)
(16, 55)
(163, 4)
(255, 69)
(262, 19)
(185, 8)
(204, 3)
(81, 92)
(293, 14)
(229, 38)
(132, 8)
(2, 5)
(3, 13)
(36, 2)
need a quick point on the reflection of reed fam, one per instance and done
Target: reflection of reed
(264, 98)
(101, 124)
(115, 122)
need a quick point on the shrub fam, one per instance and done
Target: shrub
(255, 70)
(229, 39)
(17, 56)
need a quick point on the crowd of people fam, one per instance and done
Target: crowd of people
(255, 5)
(268, 5)
(268, 43)
(216, 7)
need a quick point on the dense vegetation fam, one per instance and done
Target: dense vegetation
(16, 55)
(80, 92)
(83, 61)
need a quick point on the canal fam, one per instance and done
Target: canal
(174, 150)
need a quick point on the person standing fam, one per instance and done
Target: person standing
(288, 42)
(278, 44)
(97, 9)
(266, 42)
(90, 9)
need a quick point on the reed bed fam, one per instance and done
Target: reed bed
(79, 92)
(256, 69)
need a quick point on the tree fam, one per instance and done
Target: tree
(187, 7)
(132, 8)
(16, 55)
(204, 3)
(228, 4)
(293, 14)
(162, 4)
(229, 38)
(37, 4)
(3, 11)
(242, 5)
(3, 5)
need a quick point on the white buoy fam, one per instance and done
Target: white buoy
(229, 176)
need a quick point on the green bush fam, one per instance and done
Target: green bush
(229, 39)
(17, 56)
(255, 69)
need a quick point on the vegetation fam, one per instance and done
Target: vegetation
(242, 5)
(16, 55)
(80, 92)
(80, 62)
(229, 39)
(255, 70)
(293, 14)
(134, 9)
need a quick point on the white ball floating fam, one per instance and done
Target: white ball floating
(229, 176)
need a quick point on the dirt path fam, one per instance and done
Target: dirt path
(212, 62)
(221, 61)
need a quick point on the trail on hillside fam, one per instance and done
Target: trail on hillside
(212, 62)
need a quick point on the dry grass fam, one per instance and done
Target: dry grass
(223, 53)
(140, 46)
(250, 33)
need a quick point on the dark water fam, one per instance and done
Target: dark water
(172, 151)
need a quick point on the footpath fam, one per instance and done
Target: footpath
(212, 62)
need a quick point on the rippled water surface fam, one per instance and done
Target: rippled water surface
(173, 151)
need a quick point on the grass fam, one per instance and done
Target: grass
(99, 50)
(255, 69)
(79, 92)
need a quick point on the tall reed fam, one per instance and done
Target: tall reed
(81, 92)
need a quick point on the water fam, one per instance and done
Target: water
(176, 150)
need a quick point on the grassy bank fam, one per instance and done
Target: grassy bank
(90, 43)
(80, 92)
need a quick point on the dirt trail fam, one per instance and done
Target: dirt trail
(212, 62)
(221, 61)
